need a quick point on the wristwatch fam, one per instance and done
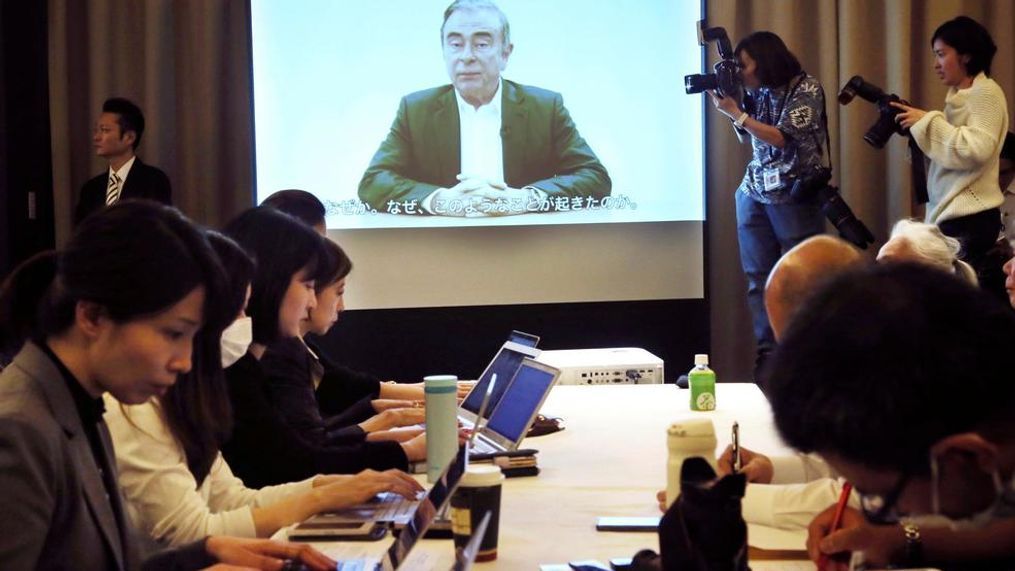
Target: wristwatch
(740, 120)
(914, 543)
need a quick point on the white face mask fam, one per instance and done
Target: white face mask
(236, 339)
(1000, 507)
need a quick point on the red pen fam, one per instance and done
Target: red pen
(840, 508)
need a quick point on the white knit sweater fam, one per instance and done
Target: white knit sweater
(963, 144)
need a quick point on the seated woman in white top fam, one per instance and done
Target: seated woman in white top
(177, 485)
(913, 241)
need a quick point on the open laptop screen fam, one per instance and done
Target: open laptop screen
(523, 338)
(522, 399)
(505, 364)
(427, 511)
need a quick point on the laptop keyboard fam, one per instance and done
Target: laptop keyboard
(353, 565)
(480, 446)
(392, 507)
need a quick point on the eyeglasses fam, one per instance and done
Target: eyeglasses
(880, 509)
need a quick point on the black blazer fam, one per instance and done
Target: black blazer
(143, 181)
(265, 451)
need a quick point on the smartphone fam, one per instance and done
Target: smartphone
(627, 524)
(338, 531)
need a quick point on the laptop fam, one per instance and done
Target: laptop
(523, 338)
(517, 408)
(388, 507)
(466, 556)
(504, 364)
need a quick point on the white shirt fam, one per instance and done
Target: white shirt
(802, 487)
(482, 148)
(122, 174)
(162, 496)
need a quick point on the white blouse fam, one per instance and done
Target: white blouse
(162, 496)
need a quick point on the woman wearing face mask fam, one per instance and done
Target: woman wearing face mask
(263, 449)
(784, 113)
(119, 315)
(175, 481)
(963, 144)
(325, 403)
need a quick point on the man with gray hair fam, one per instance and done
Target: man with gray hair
(483, 145)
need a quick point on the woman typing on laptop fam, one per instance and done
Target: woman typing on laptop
(115, 312)
(177, 485)
(263, 449)
(324, 402)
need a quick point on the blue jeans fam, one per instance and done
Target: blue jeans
(765, 232)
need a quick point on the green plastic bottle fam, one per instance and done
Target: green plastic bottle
(701, 381)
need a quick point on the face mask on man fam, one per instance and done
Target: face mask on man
(236, 339)
(1003, 505)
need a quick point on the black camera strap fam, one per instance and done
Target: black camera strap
(917, 172)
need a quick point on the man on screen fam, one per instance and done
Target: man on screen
(482, 146)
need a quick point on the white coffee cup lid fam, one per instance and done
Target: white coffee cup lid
(482, 475)
(692, 427)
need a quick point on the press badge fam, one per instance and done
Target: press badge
(771, 177)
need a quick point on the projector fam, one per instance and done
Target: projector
(616, 366)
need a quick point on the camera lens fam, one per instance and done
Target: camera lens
(700, 82)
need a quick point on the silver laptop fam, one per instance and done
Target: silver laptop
(517, 408)
(504, 364)
(435, 501)
(388, 507)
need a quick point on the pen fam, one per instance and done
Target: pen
(840, 508)
(736, 447)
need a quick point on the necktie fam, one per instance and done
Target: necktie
(113, 190)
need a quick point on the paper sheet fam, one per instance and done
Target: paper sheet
(774, 539)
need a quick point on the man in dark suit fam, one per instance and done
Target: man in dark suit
(483, 145)
(117, 136)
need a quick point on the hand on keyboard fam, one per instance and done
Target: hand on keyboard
(364, 486)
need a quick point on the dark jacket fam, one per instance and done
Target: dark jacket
(264, 450)
(143, 181)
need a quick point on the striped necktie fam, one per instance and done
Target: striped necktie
(113, 190)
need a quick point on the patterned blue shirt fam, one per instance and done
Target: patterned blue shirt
(799, 113)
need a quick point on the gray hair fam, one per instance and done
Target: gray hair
(932, 247)
(505, 28)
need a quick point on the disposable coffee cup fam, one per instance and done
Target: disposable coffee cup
(478, 493)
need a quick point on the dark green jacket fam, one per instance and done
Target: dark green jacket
(542, 148)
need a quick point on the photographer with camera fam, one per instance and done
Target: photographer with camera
(784, 112)
(963, 144)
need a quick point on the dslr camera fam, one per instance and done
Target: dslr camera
(725, 79)
(885, 126)
(833, 206)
